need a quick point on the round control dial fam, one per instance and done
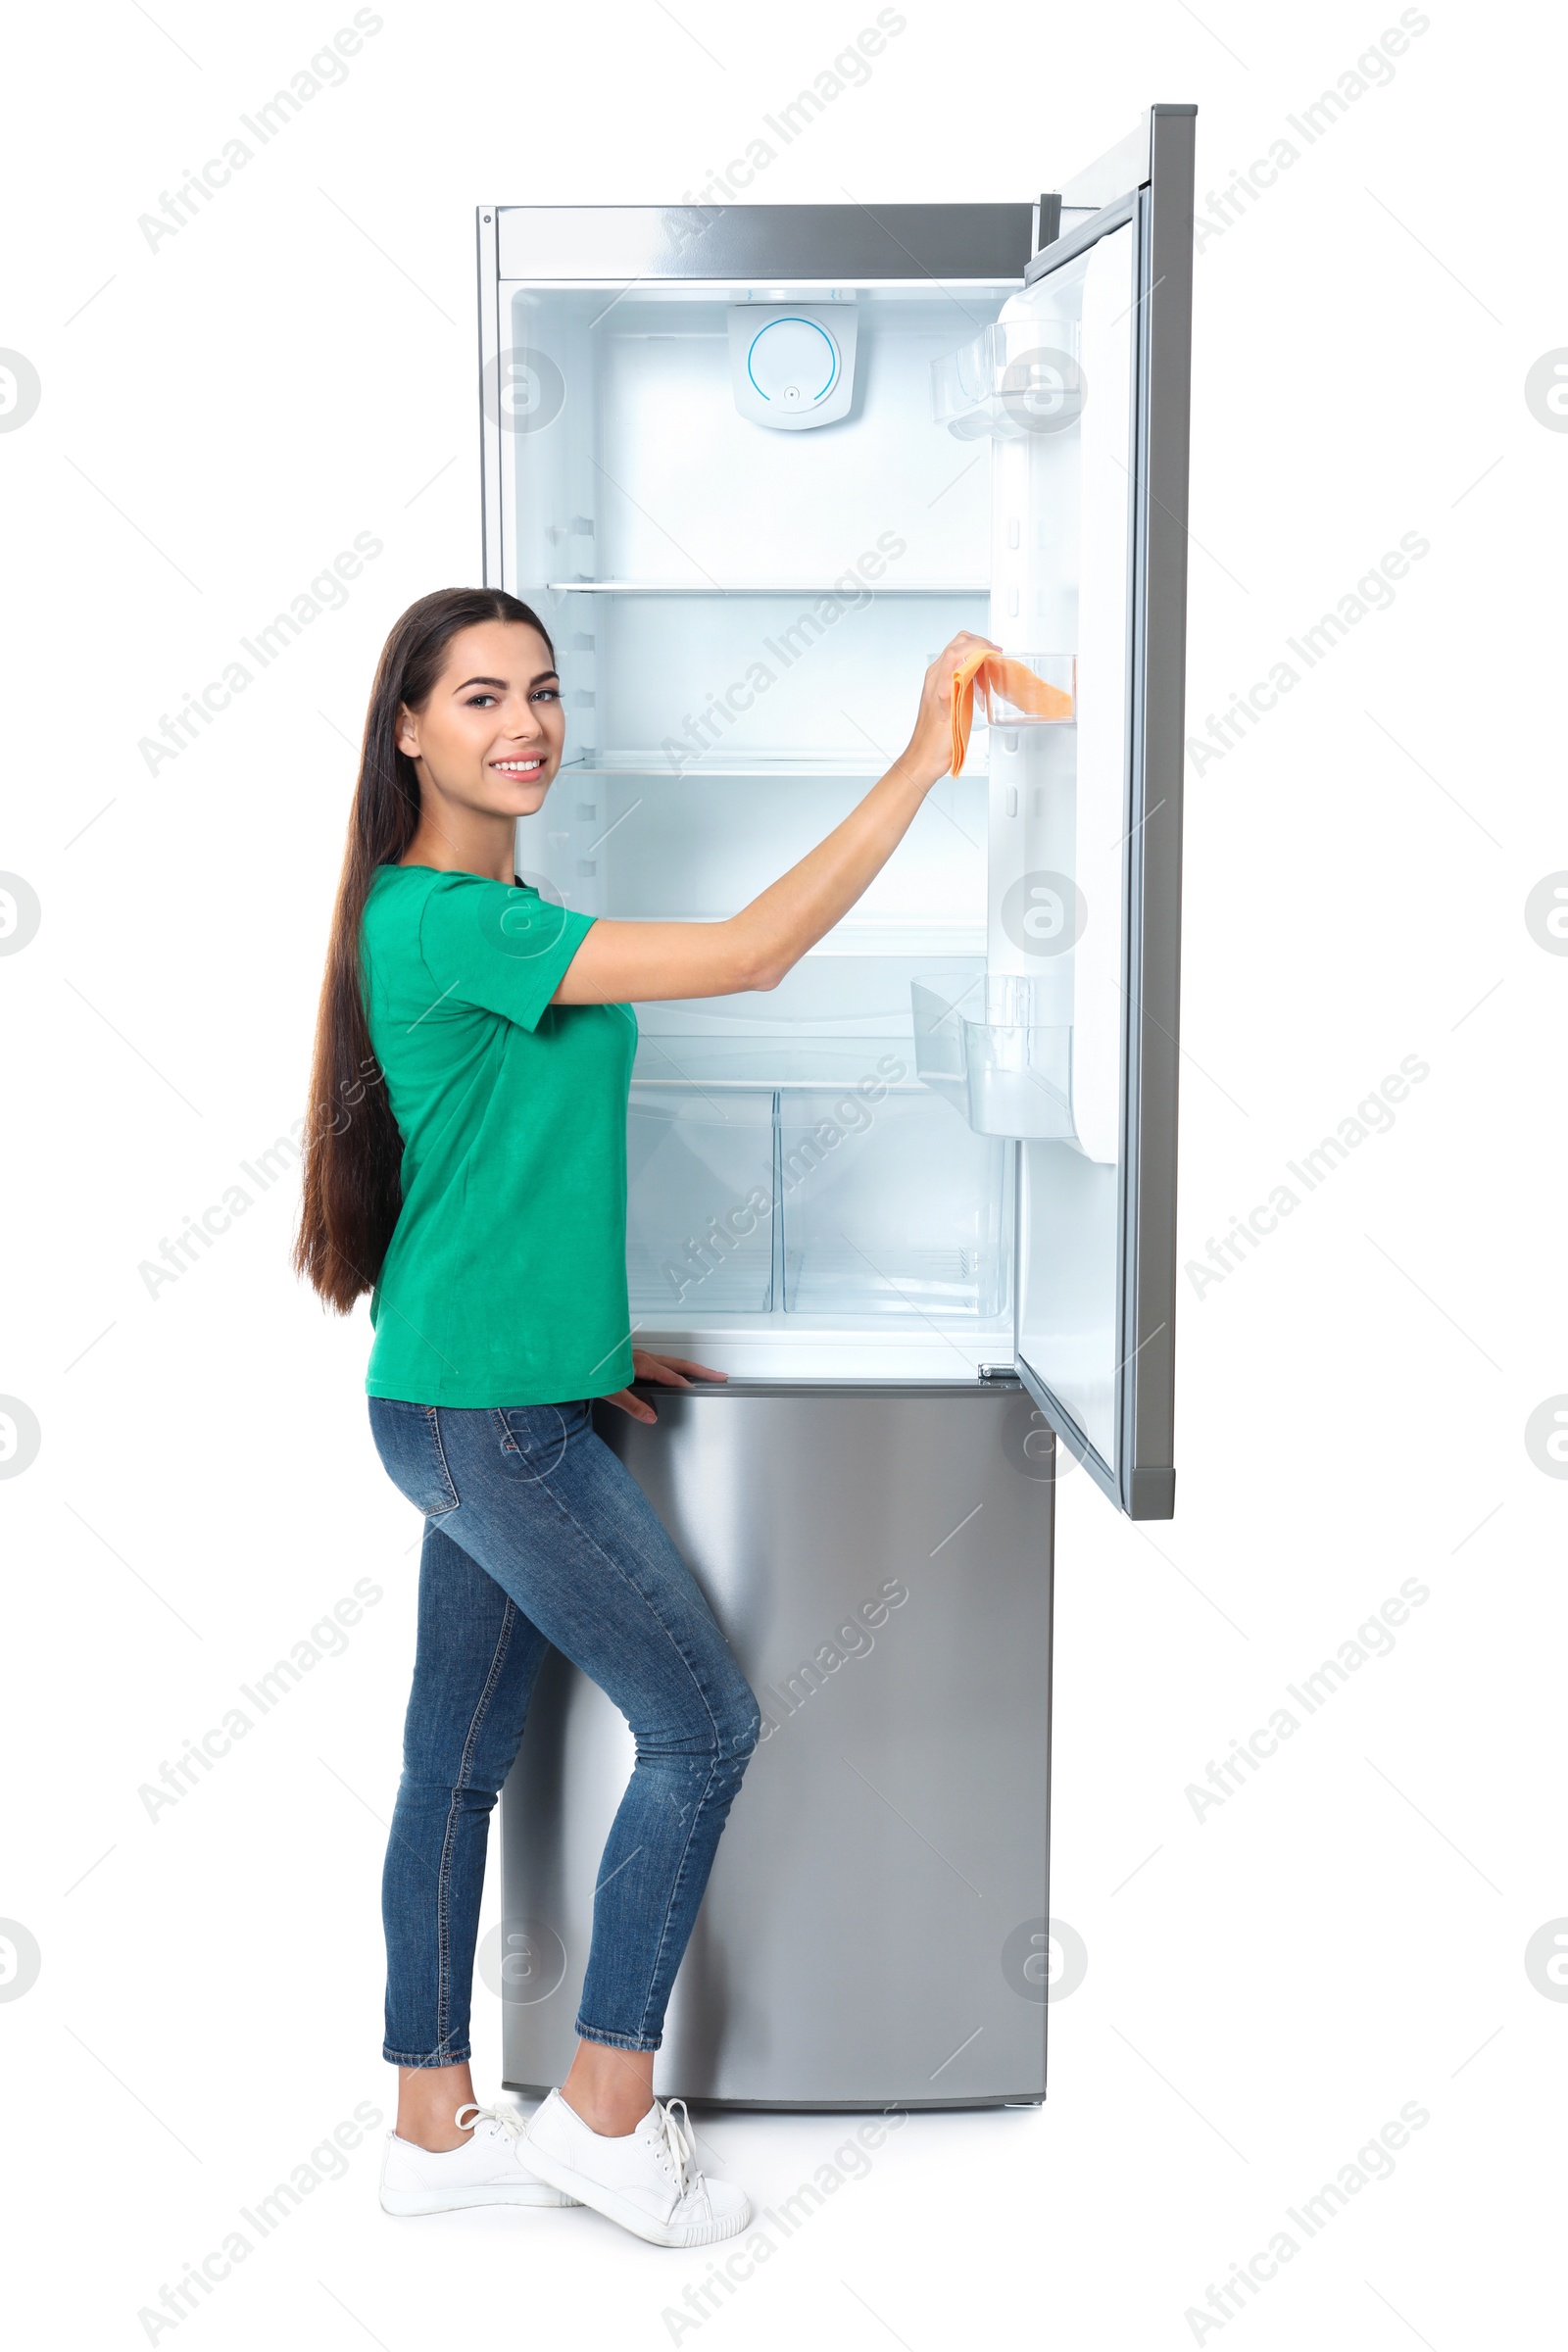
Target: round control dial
(794, 362)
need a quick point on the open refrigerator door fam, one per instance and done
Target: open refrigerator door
(1069, 1041)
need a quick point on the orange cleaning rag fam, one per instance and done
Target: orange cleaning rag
(1020, 684)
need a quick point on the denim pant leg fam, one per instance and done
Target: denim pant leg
(559, 1522)
(474, 1670)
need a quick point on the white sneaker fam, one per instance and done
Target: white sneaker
(646, 2179)
(487, 2170)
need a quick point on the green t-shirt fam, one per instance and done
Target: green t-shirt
(505, 1279)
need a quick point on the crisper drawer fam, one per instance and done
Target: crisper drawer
(700, 1202)
(889, 1207)
(874, 1201)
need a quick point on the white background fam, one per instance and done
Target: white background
(1347, 1933)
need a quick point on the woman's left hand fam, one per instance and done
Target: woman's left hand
(668, 1372)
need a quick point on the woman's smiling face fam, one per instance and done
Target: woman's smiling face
(489, 738)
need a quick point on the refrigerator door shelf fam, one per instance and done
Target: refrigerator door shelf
(1006, 736)
(1017, 378)
(995, 706)
(1007, 1076)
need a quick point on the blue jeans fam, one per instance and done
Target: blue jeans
(536, 1535)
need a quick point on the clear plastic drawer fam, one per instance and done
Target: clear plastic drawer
(889, 1206)
(700, 1202)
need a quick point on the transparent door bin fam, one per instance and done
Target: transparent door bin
(1005, 1072)
(1018, 377)
(1027, 690)
(889, 1207)
(700, 1203)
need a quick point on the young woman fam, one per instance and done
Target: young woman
(466, 1164)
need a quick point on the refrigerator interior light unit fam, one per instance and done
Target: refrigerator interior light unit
(754, 465)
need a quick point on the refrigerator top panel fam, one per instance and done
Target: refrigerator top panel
(748, 243)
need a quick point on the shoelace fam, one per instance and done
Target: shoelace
(510, 2122)
(678, 2151)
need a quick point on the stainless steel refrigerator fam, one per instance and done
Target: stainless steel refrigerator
(753, 465)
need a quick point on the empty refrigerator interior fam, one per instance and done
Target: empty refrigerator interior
(823, 1178)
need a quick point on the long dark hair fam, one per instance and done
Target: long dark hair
(353, 1185)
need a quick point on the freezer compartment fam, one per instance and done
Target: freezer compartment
(1003, 1071)
(880, 1562)
(889, 1207)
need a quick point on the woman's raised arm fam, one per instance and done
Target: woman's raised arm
(640, 962)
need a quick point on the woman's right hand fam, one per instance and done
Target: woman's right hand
(929, 755)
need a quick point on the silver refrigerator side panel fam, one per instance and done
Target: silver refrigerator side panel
(875, 1927)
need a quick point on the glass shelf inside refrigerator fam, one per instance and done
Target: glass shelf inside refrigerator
(713, 1065)
(833, 1021)
(759, 682)
(891, 934)
(855, 764)
(985, 1051)
(697, 847)
(847, 591)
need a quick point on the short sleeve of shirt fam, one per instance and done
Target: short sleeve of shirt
(503, 948)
